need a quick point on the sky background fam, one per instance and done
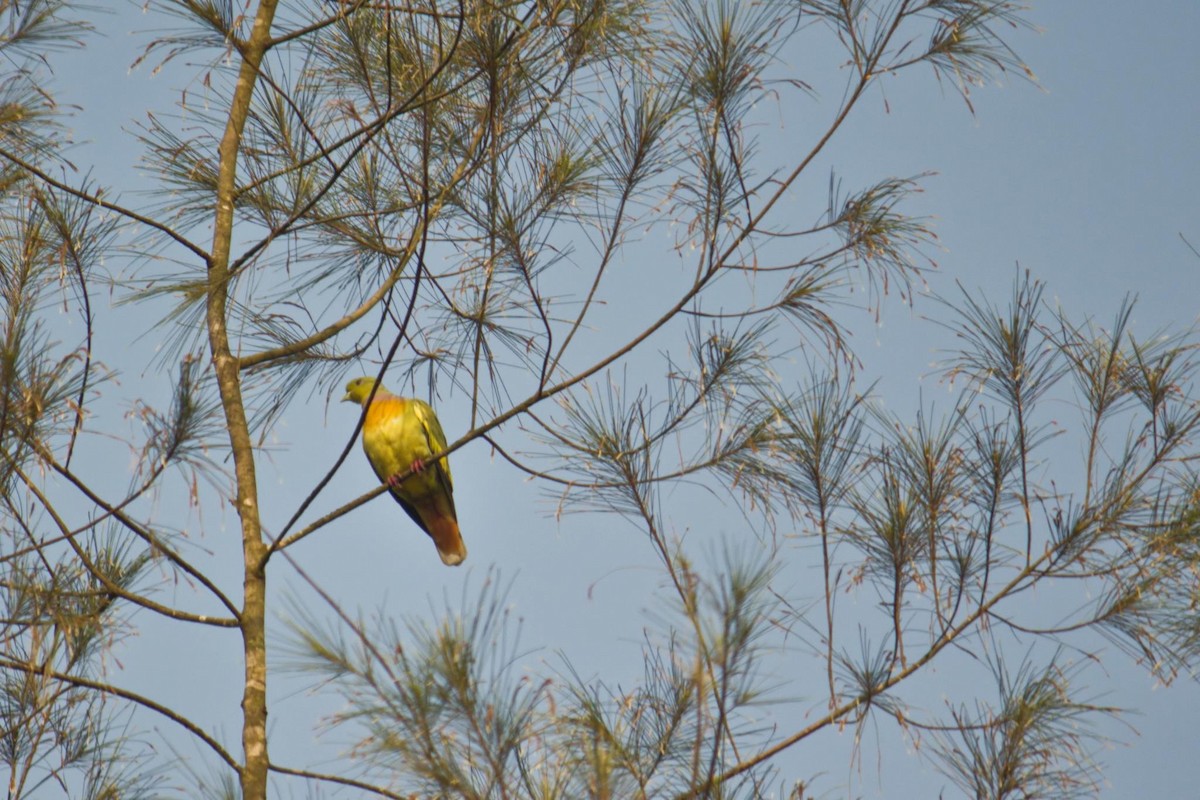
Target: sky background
(1087, 179)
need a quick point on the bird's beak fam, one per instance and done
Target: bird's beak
(346, 398)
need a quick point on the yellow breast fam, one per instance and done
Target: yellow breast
(394, 437)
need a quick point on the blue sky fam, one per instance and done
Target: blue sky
(1086, 179)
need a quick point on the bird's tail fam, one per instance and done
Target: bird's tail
(443, 529)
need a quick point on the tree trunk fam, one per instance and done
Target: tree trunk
(253, 613)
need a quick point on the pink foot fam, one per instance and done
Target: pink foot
(417, 466)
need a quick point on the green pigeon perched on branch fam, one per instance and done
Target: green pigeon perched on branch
(400, 433)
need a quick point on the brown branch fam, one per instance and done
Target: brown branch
(124, 694)
(320, 776)
(98, 574)
(95, 199)
(863, 699)
(417, 241)
(139, 531)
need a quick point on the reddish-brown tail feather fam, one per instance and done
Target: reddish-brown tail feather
(443, 529)
(448, 539)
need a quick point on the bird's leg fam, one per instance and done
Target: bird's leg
(417, 466)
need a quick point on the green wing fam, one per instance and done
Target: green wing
(436, 439)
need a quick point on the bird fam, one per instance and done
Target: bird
(400, 433)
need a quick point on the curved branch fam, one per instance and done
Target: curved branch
(284, 540)
(417, 242)
(124, 694)
(949, 637)
(319, 776)
(88, 326)
(371, 129)
(105, 581)
(367, 134)
(300, 33)
(95, 199)
(139, 531)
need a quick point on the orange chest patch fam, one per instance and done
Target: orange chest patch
(393, 435)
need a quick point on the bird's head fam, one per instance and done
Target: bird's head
(359, 389)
